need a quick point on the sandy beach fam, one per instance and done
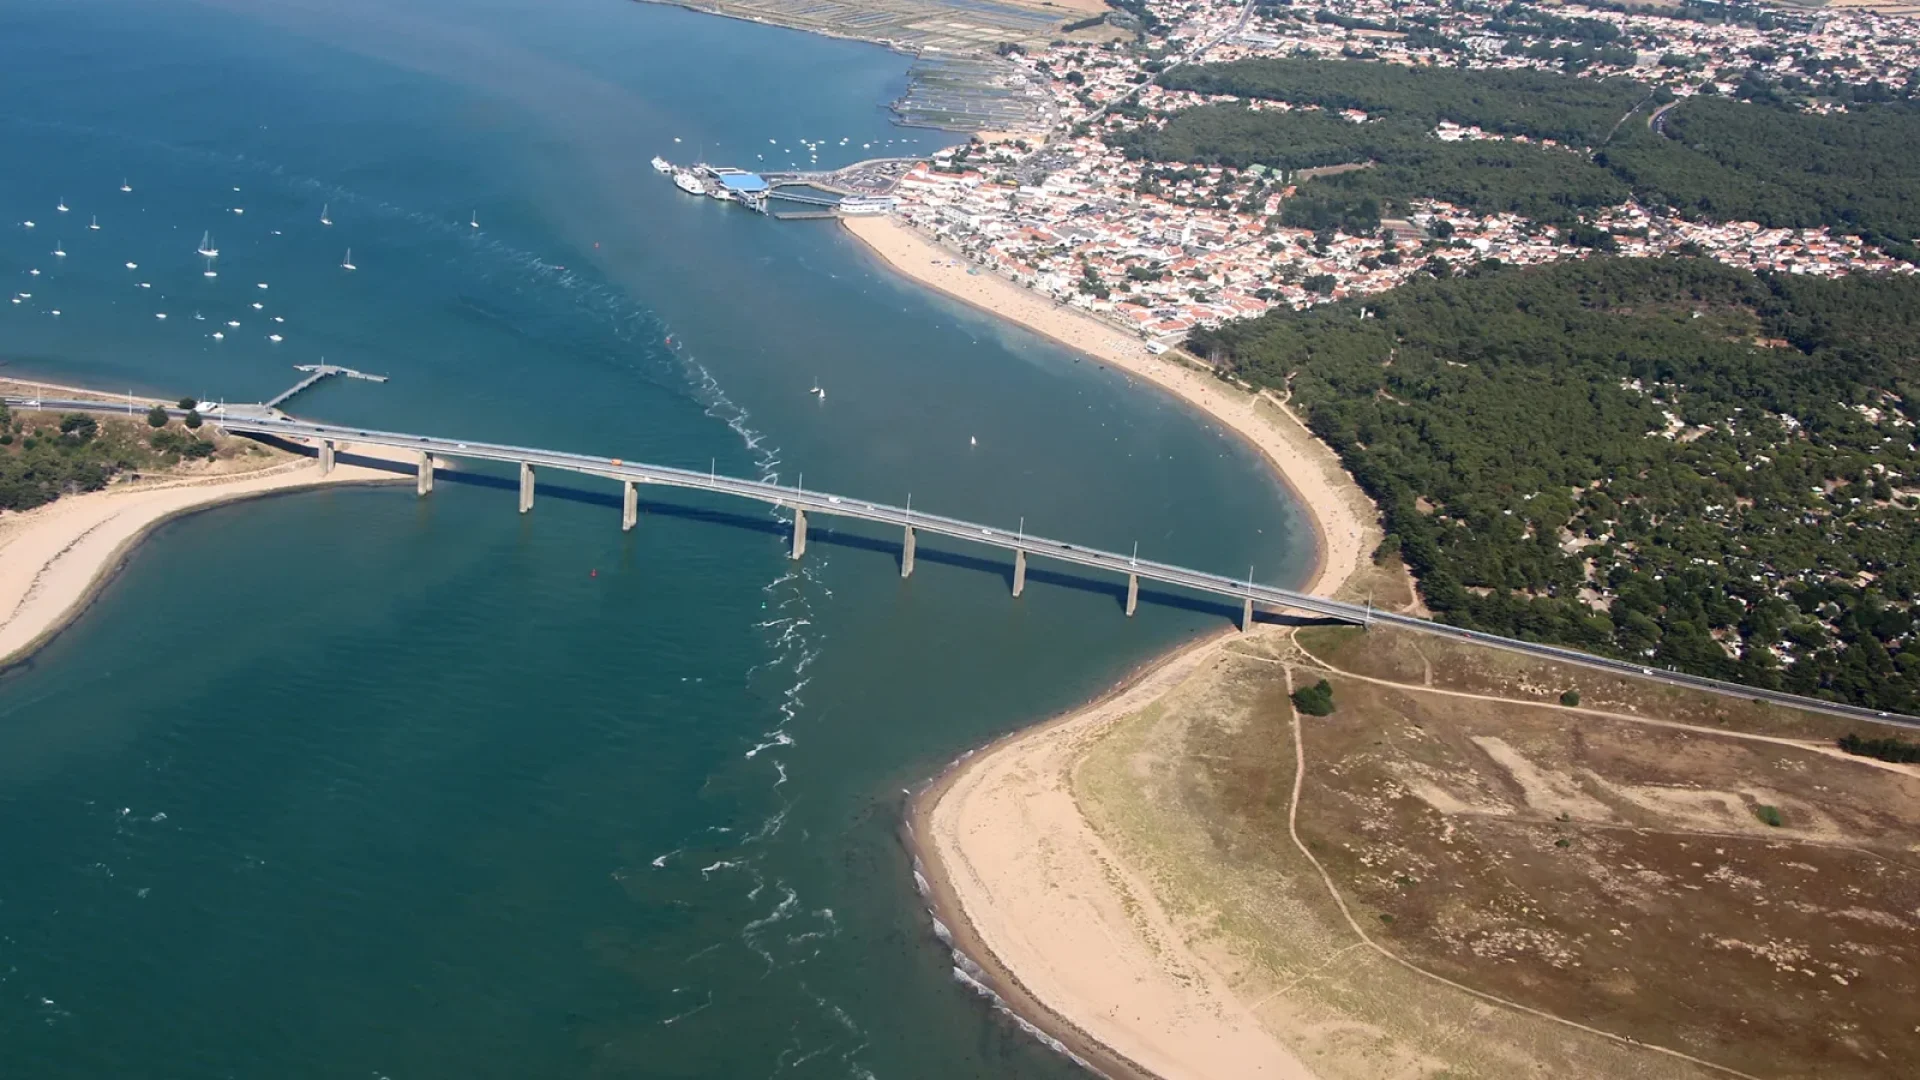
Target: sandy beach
(54, 559)
(1341, 514)
(1069, 937)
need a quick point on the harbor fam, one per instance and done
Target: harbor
(862, 189)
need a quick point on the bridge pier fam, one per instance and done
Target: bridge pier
(906, 554)
(423, 484)
(1246, 616)
(799, 532)
(526, 487)
(1133, 594)
(326, 456)
(629, 505)
(1019, 572)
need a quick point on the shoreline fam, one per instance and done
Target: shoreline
(973, 956)
(57, 560)
(935, 829)
(1287, 448)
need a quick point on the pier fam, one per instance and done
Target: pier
(317, 372)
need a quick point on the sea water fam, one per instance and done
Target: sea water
(353, 783)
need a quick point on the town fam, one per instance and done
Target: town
(1161, 247)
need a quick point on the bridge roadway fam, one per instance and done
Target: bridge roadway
(1022, 544)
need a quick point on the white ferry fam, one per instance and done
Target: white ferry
(866, 205)
(686, 181)
(662, 165)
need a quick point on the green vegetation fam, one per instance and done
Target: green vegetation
(43, 457)
(1532, 103)
(1315, 700)
(1886, 749)
(1732, 161)
(1761, 160)
(1664, 460)
(157, 417)
(1570, 698)
(1769, 815)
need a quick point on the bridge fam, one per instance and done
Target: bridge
(1022, 545)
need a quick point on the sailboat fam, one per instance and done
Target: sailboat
(61, 206)
(210, 271)
(324, 219)
(124, 186)
(95, 223)
(347, 263)
(59, 250)
(475, 219)
(206, 245)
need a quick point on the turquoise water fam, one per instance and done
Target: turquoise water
(358, 784)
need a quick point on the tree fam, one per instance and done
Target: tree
(187, 402)
(157, 417)
(1570, 698)
(79, 425)
(1315, 700)
(193, 418)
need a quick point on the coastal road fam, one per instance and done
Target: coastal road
(1012, 540)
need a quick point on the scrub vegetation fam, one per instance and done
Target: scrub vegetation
(1664, 460)
(45, 455)
(1709, 157)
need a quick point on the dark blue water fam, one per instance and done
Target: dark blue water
(357, 784)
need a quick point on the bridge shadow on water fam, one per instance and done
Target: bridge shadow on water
(834, 536)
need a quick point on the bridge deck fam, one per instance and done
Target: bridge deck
(817, 502)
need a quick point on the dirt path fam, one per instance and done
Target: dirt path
(1293, 832)
(1817, 746)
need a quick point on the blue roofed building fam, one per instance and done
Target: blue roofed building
(742, 183)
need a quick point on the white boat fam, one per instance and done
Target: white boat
(62, 206)
(275, 338)
(59, 250)
(233, 322)
(324, 219)
(218, 336)
(687, 182)
(133, 266)
(28, 224)
(206, 245)
(474, 220)
(95, 223)
(209, 271)
(124, 186)
(662, 165)
(347, 263)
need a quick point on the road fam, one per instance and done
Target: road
(825, 503)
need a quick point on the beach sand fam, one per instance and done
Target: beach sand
(55, 558)
(1071, 938)
(1341, 513)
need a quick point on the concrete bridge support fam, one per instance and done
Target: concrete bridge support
(326, 456)
(629, 505)
(906, 554)
(1133, 594)
(526, 487)
(1246, 616)
(423, 484)
(799, 532)
(1019, 572)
